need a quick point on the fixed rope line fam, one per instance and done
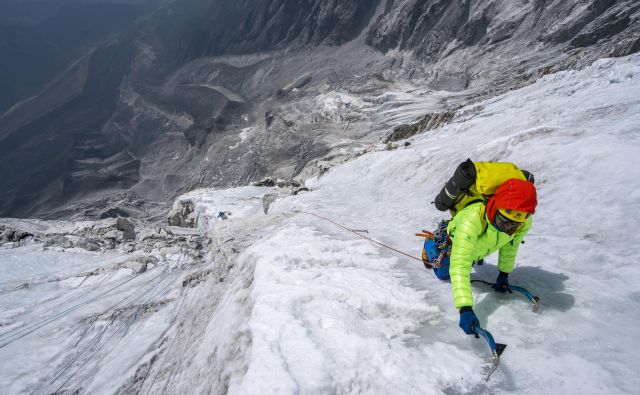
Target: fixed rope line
(172, 372)
(19, 334)
(364, 237)
(32, 328)
(91, 343)
(90, 357)
(165, 274)
(97, 337)
(173, 339)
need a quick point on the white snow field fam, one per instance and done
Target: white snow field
(290, 303)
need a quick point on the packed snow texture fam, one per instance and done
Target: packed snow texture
(289, 302)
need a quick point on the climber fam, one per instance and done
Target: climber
(477, 230)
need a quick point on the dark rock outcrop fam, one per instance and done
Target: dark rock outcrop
(8, 234)
(183, 215)
(114, 212)
(127, 229)
(424, 26)
(428, 122)
(605, 24)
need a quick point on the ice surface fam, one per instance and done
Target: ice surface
(21, 264)
(292, 303)
(366, 320)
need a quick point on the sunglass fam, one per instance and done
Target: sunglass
(504, 224)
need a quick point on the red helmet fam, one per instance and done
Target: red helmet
(513, 194)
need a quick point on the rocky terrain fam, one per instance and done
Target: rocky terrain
(126, 235)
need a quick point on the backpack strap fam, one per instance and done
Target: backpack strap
(473, 202)
(485, 224)
(483, 221)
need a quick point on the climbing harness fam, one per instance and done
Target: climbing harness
(443, 245)
(535, 301)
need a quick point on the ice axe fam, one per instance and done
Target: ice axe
(496, 348)
(535, 301)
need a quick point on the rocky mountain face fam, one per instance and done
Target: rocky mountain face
(436, 28)
(222, 93)
(462, 35)
(239, 27)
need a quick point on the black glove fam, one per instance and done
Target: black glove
(468, 320)
(502, 283)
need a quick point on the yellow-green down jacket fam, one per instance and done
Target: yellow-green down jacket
(474, 238)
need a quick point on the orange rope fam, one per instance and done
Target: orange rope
(364, 237)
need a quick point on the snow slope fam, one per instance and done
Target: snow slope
(335, 313)
(289, 302)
